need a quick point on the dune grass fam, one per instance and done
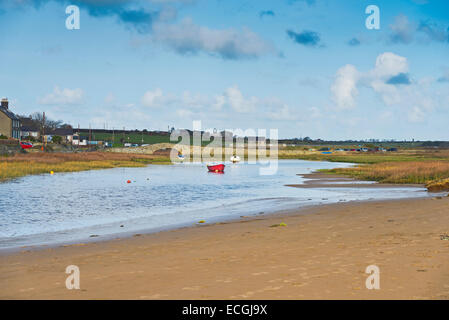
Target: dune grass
(39, 163)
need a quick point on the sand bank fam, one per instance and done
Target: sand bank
(321, 253)
(324, 180)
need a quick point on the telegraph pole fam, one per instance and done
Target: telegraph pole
(43, 132)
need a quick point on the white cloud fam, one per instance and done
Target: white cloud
(344, 88)
(416, 115)
(184, 113)
(63, 97)
(389, 64)
(110, 99)
(153, 98)
(402, 30)
(414, 99)
(233, 105)
(238, 102)
(187, 37)
(231, 98)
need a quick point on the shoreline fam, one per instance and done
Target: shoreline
(315, 180)
(228, 260)
(123, 235)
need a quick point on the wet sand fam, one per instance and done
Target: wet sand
(321, 253)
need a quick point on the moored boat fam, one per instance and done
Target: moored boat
(235, 159)
(216, 168)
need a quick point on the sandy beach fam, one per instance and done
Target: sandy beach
(321, 253)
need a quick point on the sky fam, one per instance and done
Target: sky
(304, 67)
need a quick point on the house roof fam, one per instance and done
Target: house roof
(27, 122)
(9, 114)
(29, 128)
(60, 132)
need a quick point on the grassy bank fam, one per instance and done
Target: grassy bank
(398, 172)
(368, 157)
(415, 166)
(38, 163)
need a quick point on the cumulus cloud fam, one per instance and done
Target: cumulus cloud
(344, 88)
(391, 81)
(388, 65)
(416, 115)
(153, 98)
(63, 97)
(234, 97)
(306, 37)
(230, 102)
(189, 38)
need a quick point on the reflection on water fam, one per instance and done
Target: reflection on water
(71, 206)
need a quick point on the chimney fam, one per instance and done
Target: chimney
(4, 103)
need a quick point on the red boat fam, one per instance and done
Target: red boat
(216, 168)
(25, 145)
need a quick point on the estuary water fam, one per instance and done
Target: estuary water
(69, 207)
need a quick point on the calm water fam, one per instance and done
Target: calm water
(67, 207)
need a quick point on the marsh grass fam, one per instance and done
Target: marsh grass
(38, 163)
(415, 172)
(438, 185)
(413, 166)
(368, 158)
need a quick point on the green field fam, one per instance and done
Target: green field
(120, 138)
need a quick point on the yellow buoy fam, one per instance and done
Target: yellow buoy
(201, 221)
(51, 172)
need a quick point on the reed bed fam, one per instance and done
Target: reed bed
(415, 172)
(21, 165)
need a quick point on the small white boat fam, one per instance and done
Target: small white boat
(235, 159)
(181, 157)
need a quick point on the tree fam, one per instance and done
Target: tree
(38, 119)
(56, 139)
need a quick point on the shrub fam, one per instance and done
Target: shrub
(56, 139)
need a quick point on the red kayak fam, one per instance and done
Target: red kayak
(26, 145)
(216, 168)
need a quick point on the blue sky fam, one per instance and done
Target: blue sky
(305, 67)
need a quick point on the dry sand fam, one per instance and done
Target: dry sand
(322, 253)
